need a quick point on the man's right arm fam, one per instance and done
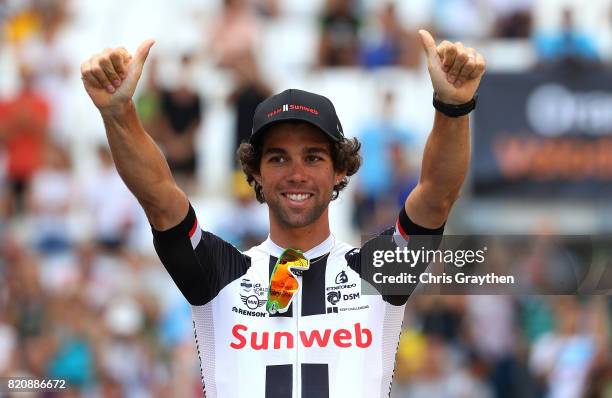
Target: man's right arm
(144, 169)
(200, 263)
(110, 79)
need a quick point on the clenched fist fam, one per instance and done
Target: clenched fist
(110, 78)
(455, 70)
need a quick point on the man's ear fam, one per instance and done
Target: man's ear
(257, 178)
(339, 177)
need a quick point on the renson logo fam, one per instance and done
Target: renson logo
(342, 338)
(554, 110)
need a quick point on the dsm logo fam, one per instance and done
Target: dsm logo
(350, 296)
(333, 297)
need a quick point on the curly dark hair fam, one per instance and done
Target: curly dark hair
(345, 156)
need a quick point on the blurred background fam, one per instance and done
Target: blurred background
(82, 294)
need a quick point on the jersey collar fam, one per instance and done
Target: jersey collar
(322, 248)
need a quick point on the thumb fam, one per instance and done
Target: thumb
(429, 44)
(143, 52)
(135, 68)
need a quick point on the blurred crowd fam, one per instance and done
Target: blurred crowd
(502, 346)
(82, 294)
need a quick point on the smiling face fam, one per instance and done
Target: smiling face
(297, 174)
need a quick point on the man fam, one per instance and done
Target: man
(326, 344)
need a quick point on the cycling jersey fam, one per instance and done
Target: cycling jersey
(332, 342)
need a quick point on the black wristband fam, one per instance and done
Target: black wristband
(455, 110)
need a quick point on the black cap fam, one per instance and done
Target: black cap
(299, 105)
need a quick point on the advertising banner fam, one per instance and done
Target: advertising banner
(543, 134)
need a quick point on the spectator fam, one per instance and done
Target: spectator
(247, 221)
(569, 45)
(537, 317)
(50, 199)
(458, 20)
(410, 358)
(442, 316)
(123, 355)
(8, 334)
(19, 21)
(562, 358)
(24, 122)
(113, 208)
(377, 177)
(339, 41)
(110, 387)
(250, 90)
(513, 19)
(439, 377)
(490, 322)
(391, 44)
(180, 119)
(235, 33)
(5, 196)
(600, 378)
(72, 356)
(267, 8)
(600, 382)
(404, 176)
(148, 103)
(47, 55)
(27, 312)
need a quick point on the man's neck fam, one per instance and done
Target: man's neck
(302, 238)
(319, 250)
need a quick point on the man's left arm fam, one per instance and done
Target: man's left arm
(455, 73)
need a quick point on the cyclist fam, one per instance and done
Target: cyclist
(330, 341)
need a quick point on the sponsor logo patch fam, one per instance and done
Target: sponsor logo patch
(246, 285)
(252, 302)
(341, 278)
(333, 297)
(356, 337)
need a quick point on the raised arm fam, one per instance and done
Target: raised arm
(455, 73)
(110, 79)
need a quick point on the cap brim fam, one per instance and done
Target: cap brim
(258, 135)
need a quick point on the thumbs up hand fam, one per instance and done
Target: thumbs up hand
(110, 78)
(455, 70)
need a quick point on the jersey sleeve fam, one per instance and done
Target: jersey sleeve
(405, 233)
(199, 262)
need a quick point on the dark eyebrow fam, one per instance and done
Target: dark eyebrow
(278, 151)
(317, 149)
(307, 150)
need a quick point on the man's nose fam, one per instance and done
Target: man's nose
(297, 172)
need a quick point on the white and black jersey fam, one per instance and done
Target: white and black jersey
(333, 341)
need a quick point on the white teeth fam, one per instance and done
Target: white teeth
(298, 197)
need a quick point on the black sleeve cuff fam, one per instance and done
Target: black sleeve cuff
(410, 228)
(182, 229)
